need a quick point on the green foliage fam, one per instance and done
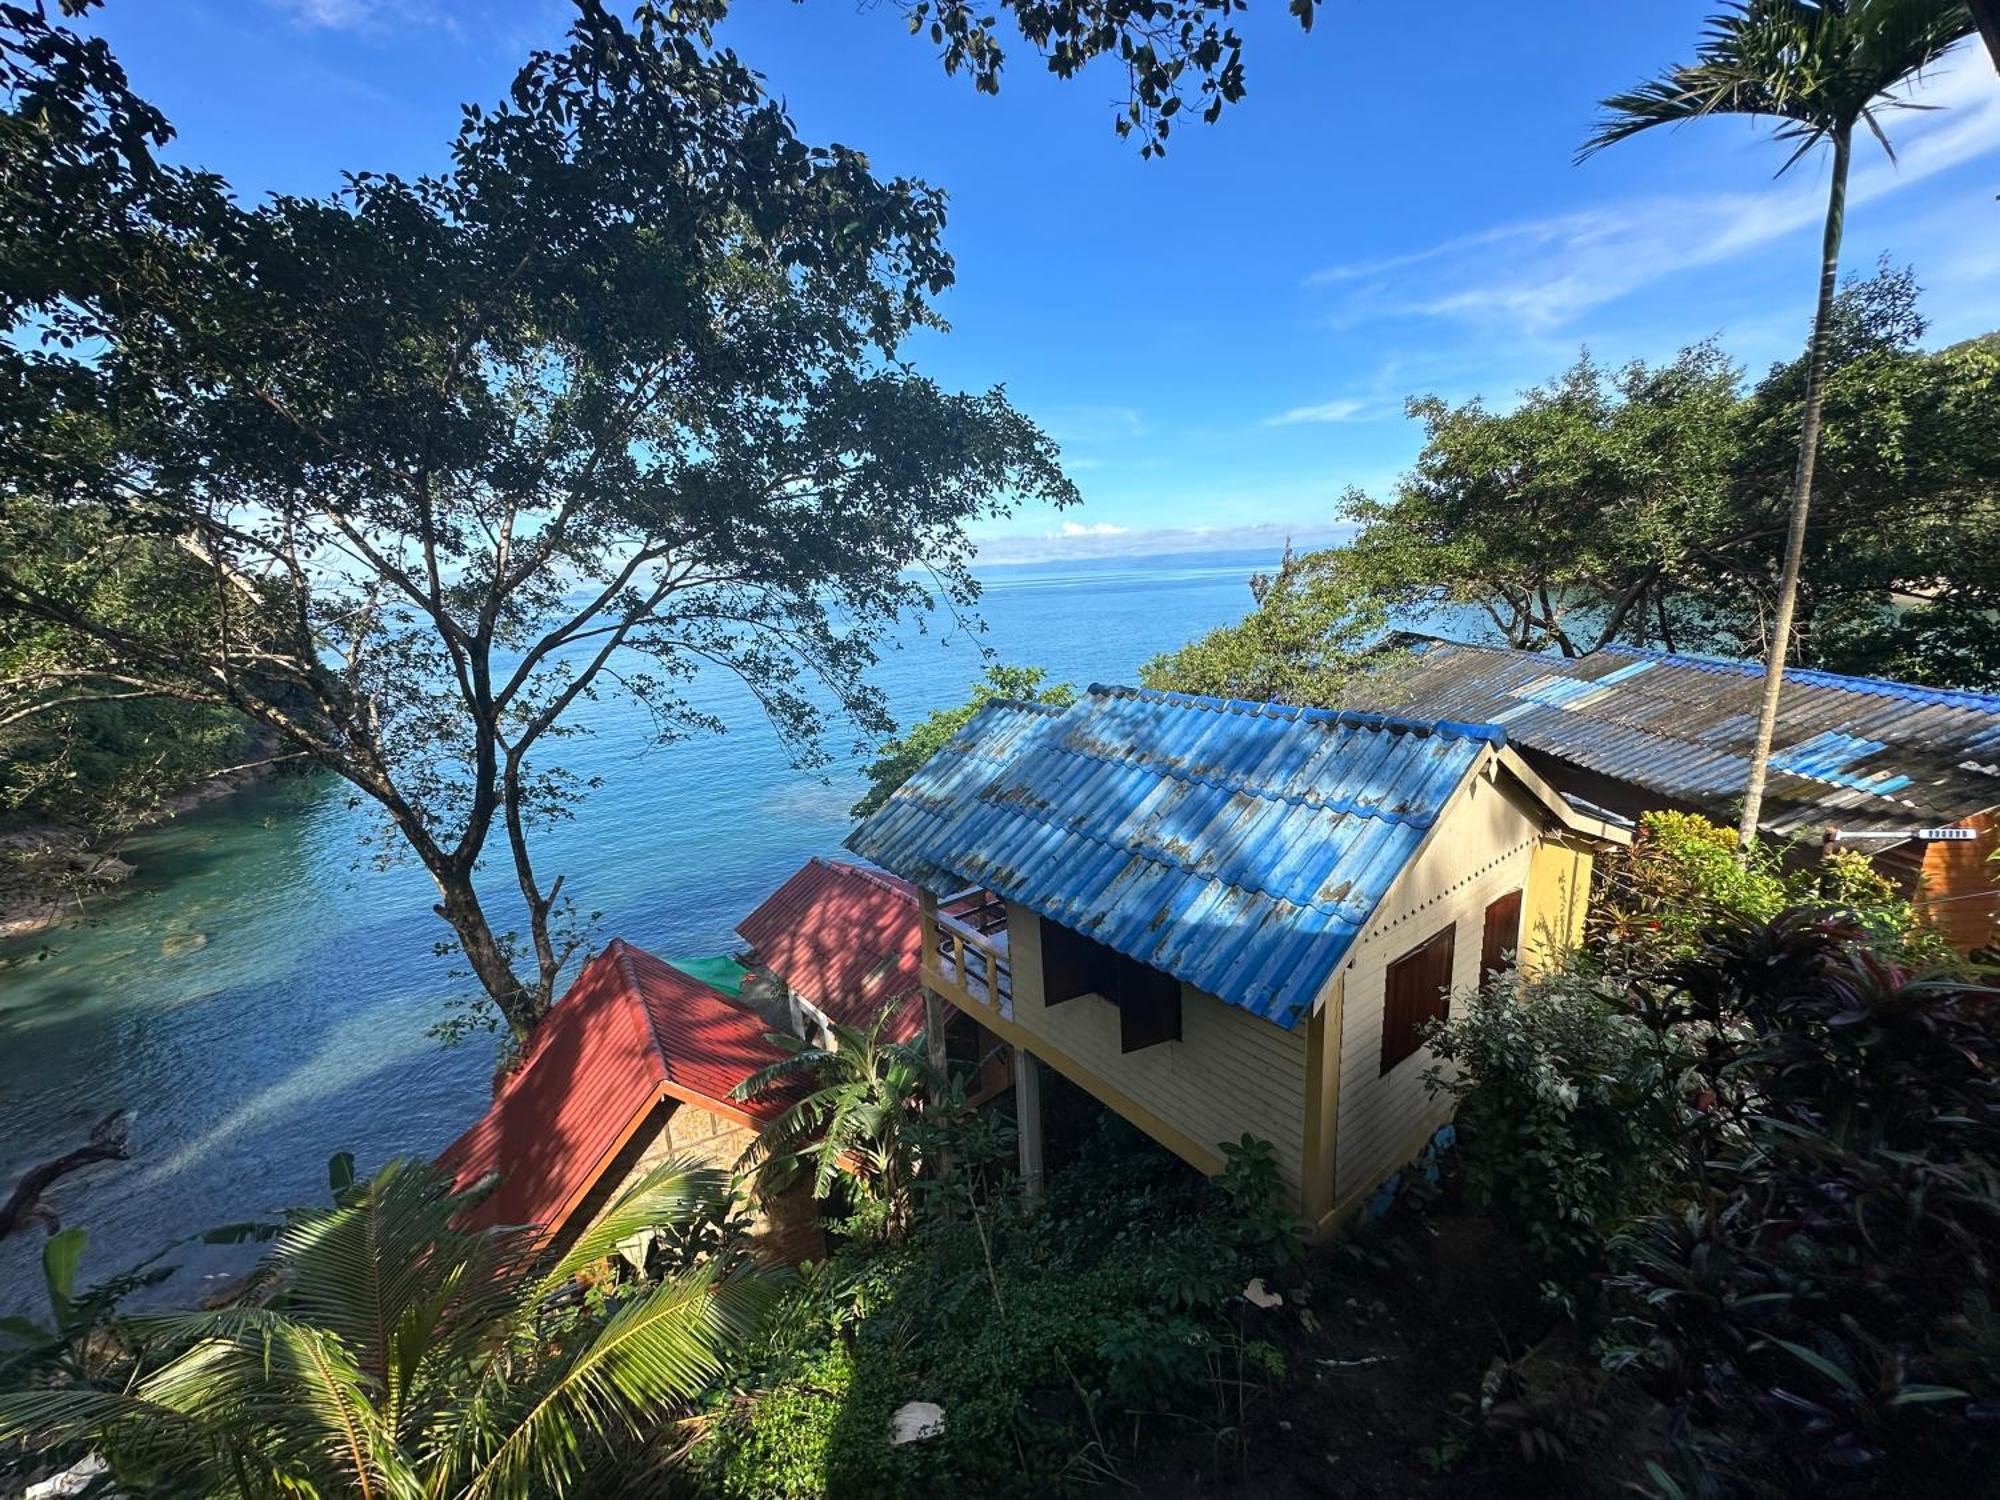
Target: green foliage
(856, 1108)
(78, 1342)
(1044, 1339)
(615, 397)
(1263, 1226)
(1172, 53)
(1643, 505)
(384, 1350)
(1301, 644)
(899, 758)
(1570, 1109)
(1818, 1309)
(1658, 899)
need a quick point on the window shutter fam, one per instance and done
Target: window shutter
(1502, 935)
(1149, 1006)
(1074, 965)
(1415, 991)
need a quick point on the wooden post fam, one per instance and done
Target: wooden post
(934, 1022)
(1028, 1122)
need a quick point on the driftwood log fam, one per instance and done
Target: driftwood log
(110, 1140)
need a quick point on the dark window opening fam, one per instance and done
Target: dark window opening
(1074, 965)
(1416, 992)
(1148, 1000)
(1501, 937)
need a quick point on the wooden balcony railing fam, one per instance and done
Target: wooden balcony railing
(966, 966)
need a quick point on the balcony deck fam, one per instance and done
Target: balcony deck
(965, 952)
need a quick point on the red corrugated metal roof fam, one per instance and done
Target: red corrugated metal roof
(846, 939)
(631, 1031)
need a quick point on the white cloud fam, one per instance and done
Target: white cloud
(1544, 274)
(1091, 424)
(365, 15)
(1096, 528)
(1344, 410)
(1267, 536)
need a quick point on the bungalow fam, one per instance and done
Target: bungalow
(1223, 918)
(838, 942)
(638, 1061)
(634, 1065)
(1634, 730)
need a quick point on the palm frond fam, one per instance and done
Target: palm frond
(805, 1063)
(657, 1350)
(669, 1194)
(295, 1392)
(363, 1270)
(1816, 69)
(170, 1443)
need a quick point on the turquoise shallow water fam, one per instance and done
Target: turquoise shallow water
(297, 1027)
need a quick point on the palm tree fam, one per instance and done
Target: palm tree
(1818, 69)
(858, 1098)
(393, 1354)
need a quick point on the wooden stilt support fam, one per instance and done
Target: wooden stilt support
(1028, 1122)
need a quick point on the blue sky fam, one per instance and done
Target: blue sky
(1221, 340)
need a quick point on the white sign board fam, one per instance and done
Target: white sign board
(1930, 835)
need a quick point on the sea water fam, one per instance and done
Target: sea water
(261, 995)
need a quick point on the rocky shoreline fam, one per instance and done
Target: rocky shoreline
(52, 874)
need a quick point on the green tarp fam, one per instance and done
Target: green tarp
(719, 969)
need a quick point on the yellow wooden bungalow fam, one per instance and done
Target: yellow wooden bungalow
(1224, 918)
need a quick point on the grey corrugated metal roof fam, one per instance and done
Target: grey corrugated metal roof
(1856, 752)
(1237, 846)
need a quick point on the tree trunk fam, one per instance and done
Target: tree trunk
(521, 1005)
(1802, 483)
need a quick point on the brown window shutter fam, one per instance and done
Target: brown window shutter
(1074, 965)
(1415, 991)
(1502, 935)
(1149, 1006)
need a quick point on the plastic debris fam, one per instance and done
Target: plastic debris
(1258, 1295)
(915, 1421)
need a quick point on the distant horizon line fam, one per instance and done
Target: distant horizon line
(1110, 543)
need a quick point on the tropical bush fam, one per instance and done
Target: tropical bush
(857, 1110)
(1570, 1109)
(383, 1350)
(1683, 874)
(1818, 1310)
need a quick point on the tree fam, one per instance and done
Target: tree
(1304, 640)
(398, 1354)
(1644, 507)
(899, 758)
(1819, 69)
(1163, 45)
(860, 1101)
(615, 397)
(1572, 519)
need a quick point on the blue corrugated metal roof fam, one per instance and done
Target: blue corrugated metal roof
(1237, 846)
(1853, 751)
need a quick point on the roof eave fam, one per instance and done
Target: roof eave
(1571, 817)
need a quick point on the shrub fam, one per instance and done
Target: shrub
(1569, 1106)
(1818, 1312)
(1683, 875)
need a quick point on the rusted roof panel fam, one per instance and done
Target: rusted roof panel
(1237, 846)
(847, 940)
(1856, 752)
(631, 1030)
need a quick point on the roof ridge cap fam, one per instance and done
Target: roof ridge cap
(1357, 718)
(632, 992)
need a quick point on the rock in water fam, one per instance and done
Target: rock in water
(174, 944)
